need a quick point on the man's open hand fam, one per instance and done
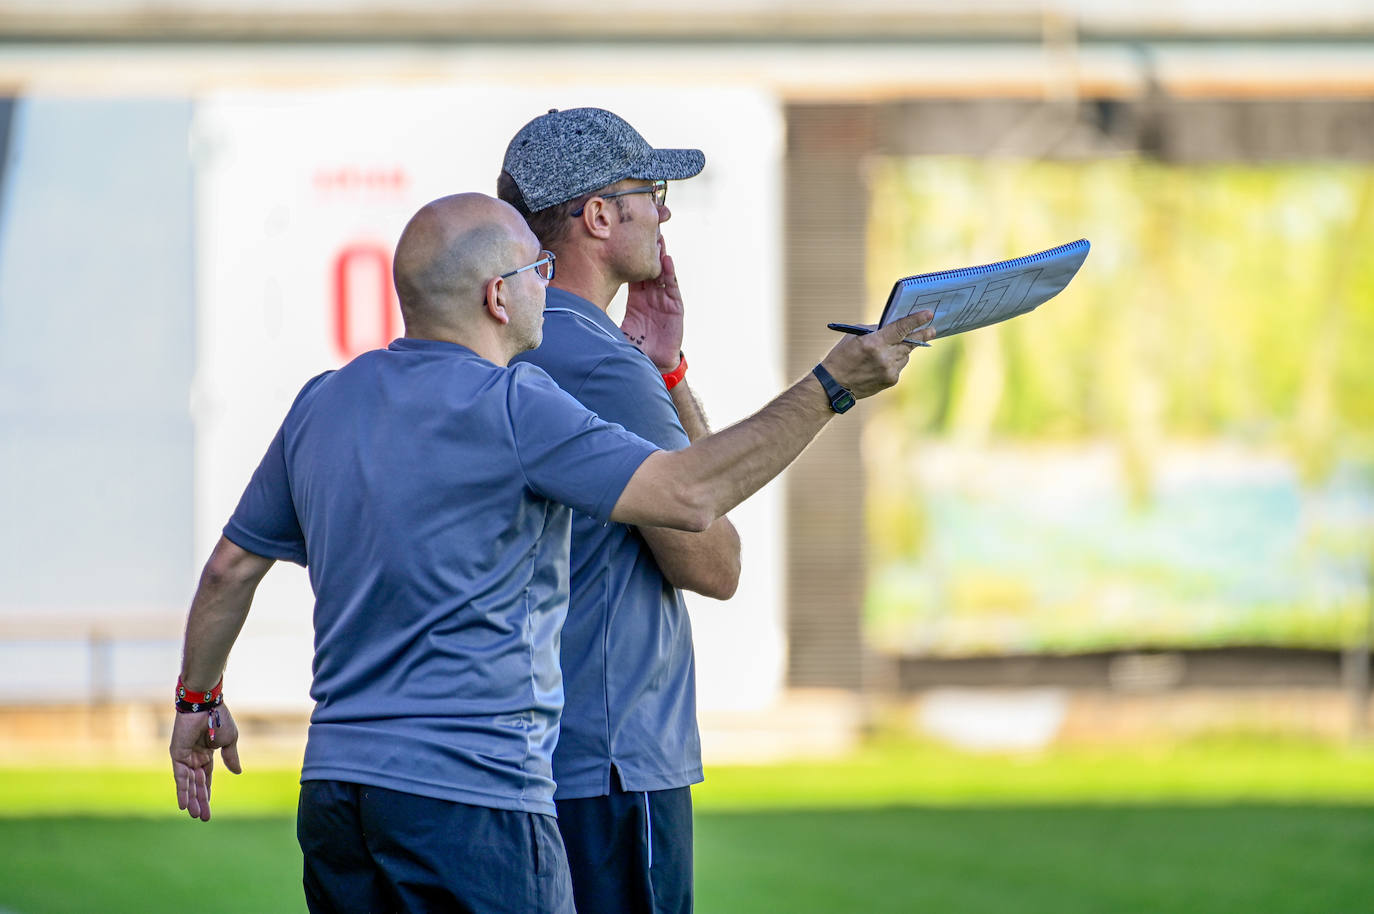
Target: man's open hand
(193, 756)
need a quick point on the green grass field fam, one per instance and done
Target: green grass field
(1240, 825)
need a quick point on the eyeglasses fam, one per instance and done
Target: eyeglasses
(659, 189)
(543, 267)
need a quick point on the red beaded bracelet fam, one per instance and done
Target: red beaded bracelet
(672, 378)
(188, 702)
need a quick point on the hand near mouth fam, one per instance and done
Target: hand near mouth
(654, 313)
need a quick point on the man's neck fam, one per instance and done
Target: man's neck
(487, 345)
(586, 279)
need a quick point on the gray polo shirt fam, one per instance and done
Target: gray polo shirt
(628, 666)
(424, 488)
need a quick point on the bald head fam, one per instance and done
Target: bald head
(448, 252)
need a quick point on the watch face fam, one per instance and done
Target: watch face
(840, 397)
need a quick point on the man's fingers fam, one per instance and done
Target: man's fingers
(203, 794)
(909, 328)
(195, 785)
(230, 754)
(182, 775)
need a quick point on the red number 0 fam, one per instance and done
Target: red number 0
(363, 318)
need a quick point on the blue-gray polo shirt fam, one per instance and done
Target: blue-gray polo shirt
(628, 668)
(424, 488)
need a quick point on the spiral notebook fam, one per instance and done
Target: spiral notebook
(973, 297)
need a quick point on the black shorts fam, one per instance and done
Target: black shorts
(378, 850)
(630, 853)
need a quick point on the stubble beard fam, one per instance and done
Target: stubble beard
(652, 266)
(530, 339)
(533, 335)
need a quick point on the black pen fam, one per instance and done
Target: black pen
(861, 330)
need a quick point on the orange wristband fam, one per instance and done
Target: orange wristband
(674, 377)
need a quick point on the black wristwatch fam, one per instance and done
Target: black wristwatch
(840, 397)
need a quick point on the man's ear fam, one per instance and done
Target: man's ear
(596, 218)
(495, 300)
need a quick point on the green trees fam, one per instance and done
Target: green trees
(1223, 307)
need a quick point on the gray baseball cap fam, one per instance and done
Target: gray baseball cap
(565, 154)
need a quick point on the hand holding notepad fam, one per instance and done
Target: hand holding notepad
(973, 297)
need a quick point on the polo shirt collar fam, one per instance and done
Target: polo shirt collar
(561, 298)
(414, 344)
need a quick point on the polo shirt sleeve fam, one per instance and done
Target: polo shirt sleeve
(265, 521)
(566, 453)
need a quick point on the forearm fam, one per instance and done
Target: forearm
(690, 488)
(689, 411)
(730, 466)
(218, 611)
(708, 562)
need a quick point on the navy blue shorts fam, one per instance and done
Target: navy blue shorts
(378, 850)
(630, 853)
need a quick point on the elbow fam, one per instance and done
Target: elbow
(218, 574)
(715, 579)
(715, 572)
(723, 579)
(722, 587)
(230, 566)
(664, 493)
(693, 509)
(728, 582)
(730, 563)
(695, 519)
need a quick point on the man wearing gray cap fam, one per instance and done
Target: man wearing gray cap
(428, 488)
(593, 191)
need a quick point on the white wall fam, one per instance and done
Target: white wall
(287, 182)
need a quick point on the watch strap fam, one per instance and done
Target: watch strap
(841, 397)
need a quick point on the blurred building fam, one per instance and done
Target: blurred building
(199, 199)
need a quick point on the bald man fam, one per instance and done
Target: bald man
(427, 490)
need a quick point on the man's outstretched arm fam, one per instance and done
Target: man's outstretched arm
(690, 488)
(217, 614)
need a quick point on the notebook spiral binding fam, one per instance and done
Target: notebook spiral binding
(1000, 265)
